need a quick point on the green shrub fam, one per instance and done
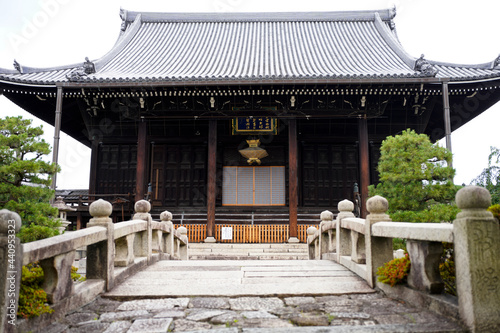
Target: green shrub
(75, 276)
(435, 213)
(32, 298)
(394, 271)
(495, 210)
(398, 243)
(447, 270)
(36, 232)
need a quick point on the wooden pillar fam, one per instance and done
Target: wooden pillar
(293, 180)
(364, 164)
(211, 180)
(78, 220)
(447, 120)
(57, 133)
(140, 182)
(93, 168)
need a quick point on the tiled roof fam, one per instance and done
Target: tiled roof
(294, 47)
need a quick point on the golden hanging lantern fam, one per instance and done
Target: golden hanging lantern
(253, 153)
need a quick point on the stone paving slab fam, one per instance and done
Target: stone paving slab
(160, 325)
(297, 267)
(311, 273)
(255, 315)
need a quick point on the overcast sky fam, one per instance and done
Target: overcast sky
(42, 33)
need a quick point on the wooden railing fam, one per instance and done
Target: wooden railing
(114, 252)
(364, 245)
(246, 233)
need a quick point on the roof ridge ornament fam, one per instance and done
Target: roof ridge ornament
(79, 73)
(495, 62)
(392, 12)
(123, 16)
(18, 67)
(425, 68)
(88, 66)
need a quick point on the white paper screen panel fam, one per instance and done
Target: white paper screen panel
(253, 186)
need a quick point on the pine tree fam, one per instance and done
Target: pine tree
(25, 178)
(416, 178)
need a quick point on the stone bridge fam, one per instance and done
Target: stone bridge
(130, 260)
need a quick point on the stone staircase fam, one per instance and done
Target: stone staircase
(256, 251)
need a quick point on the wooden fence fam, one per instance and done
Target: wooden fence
(244, 233)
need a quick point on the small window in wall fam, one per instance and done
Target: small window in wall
(253, 186)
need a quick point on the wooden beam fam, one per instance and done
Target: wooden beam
(57, 133)
(140, 182)
(364, 164)
(262, 82)
(211, 177)
(292, 177)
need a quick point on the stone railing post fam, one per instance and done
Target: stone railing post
(101, 255)
(477, 248)
(313, 245)
(11, 259)
(166, 217)
(326, 241)
(144, 244)
(343, 237)
(183, 248)
(124, 250)
(358, 247)
(57, 282)
(424, 274)
(378, 249)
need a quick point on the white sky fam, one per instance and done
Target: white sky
(42, 33)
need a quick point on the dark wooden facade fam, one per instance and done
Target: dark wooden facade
(158, 109)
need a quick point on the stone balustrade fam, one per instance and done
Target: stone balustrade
(114, 252)
(364, 245)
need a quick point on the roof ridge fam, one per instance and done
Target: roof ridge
(122, 42)
(358, 15)
(394, 43)
(30, 70)
(487, 65)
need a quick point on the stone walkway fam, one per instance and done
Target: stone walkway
(345, 313)
(236, 278)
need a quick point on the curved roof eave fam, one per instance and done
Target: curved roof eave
(124, 39)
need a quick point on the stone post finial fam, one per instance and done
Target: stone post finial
(166, 216)
(142, 206)
(345, 206)
(101, 211)
(377, 205)
(473, 198)
(326, 216)
(183, 231)
(5, 217)
(311, 231)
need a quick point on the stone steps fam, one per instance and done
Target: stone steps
(258, 251)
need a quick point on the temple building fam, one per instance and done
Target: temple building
(227, 113)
